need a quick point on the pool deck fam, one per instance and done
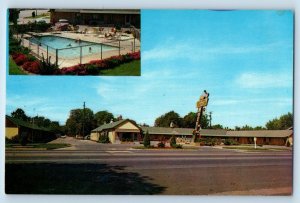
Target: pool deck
(126, 46)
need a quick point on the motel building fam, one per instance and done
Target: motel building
(100, 17)
(118, 132)
(124, 131)
(15, 128)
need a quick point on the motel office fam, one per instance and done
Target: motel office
(128, 131)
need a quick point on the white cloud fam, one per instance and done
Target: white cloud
(264, 80)
(273, 101)
(197, 50)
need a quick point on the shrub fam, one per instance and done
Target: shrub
(146, 140)
(33, 67)
(173, 141)
(104, 139)
(20, 59)
(74, 70)
(229, 141)
(161, 145)
(178, 146)
(31, 58)
(92, 69)
(210, 142)
(46, 68)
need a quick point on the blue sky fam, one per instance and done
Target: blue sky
(244, 59)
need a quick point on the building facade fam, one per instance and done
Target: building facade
(128, 131)
(103, 17)
(118, 132)
(15, 128)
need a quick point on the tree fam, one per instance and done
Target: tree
(284, 122)
(14, 15)
(189, 120)
(146, 140)
(20, 114)
(41, 121)
(102, 117)
(78, 119)
(167, 118)
(173, 141)
(217, 126)
(54, 125)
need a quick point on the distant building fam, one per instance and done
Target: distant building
(100, 17)
(117, 132)
(14, 128)
(126, 130)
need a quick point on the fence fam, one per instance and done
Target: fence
(80, 52)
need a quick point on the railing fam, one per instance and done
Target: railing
(73, 55)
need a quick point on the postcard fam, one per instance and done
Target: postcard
(209, 110)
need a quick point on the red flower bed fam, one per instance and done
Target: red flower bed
(91, 68)
(32, 66)
(20, 59)
(74, 70)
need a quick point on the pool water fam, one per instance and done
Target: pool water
(55, 42)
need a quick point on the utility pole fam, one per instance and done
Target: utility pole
(83, 119)
(210, 119)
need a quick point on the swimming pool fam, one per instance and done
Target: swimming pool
(73, 51)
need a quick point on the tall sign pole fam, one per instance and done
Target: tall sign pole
(83, 119)
(201, 105)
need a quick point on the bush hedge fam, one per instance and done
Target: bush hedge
(33, 65)
(229, 141)
(104, 139)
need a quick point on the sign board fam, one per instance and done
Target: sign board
(202, 102)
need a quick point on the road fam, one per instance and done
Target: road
(118, 169)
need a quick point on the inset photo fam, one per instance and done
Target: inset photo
(74, 42)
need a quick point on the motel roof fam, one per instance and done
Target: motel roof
(203, 132)
(25, 124)
(260, 133)
(182, 131)
(112, 125)
(104, 11)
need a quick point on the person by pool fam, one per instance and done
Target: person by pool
(90, 49)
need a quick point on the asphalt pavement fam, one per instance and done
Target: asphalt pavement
(201, 171)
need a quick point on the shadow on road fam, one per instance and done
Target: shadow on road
(57, 178)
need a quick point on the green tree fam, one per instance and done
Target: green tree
(284, 122)
(54, 125)
(189, 120)
(41, 121)
(173, 141)
(167, 118)
(102, 117)
(259, 128)
(146, 140)
(20, 114)
(78, 119)
(14, 15)
(217, 126)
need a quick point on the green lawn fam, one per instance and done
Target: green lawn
(46, 146)
(128, 69)
(14, 69)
